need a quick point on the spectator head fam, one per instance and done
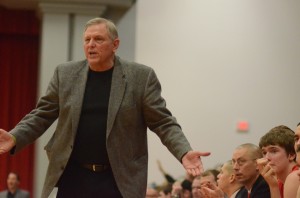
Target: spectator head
(186, 188)
(244, 163)
(209, 177)
(196, 185)
(13, 181)
(226, 179)
(277, 147)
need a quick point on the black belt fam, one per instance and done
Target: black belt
(96, 167)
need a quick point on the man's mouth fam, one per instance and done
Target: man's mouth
(92, 53)
(238, 174)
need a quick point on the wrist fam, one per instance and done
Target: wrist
(13, 138)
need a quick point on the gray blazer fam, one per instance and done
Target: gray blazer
(19, 194)
(135, 104)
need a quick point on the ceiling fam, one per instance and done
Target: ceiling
(20, 4)
(33, 4)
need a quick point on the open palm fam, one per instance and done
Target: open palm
(6, 141)
(191, 161)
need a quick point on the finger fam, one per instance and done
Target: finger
(200, 167)
(189, 171)
(197, 171)
(264, 170)
(262, 161)
(212, 186)
(260, 167)
(203, 153)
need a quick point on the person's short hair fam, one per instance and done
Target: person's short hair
(281, 136)
(298, 124)
(228, 166)
(111, 27)
(253, 150)
(213, 172)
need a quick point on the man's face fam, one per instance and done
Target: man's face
(277, 157)
(297, 144)
(245, 167)
(224, 177)
(12, 181)
(99, 48)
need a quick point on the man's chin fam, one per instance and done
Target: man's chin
(239, 177)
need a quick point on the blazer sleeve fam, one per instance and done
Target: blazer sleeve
(160, 120)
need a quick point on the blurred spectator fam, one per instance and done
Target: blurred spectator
(152, 193)
(227, 181)
(186, 189)
(182, 189)
(209, 177)
(168, 177)
(13, 190)
(196, 186)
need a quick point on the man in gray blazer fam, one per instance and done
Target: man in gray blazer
(13, 190)
(104, 106)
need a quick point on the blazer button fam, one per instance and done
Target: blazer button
(71, 146)
(62, 167)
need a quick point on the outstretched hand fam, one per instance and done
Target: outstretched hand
(6, 141)
(192, 163)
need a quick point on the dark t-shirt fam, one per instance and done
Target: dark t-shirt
(10, 195)
(90, 140)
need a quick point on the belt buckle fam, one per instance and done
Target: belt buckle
(94, 167)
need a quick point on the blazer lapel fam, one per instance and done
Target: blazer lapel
(78, 89)
(118, 86)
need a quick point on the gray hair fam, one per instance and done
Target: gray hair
(228, 166)
(110, 26)
(253, 150)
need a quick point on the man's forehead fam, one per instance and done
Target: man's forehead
(12, 175)
(238, 153)
(95, 29)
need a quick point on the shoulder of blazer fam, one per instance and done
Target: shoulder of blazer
(3, 193)
(131, 67)
(72, 67)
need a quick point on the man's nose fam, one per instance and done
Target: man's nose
(91, 43)
(268, 156)
(235, 165)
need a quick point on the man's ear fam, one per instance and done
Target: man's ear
(232, 178)
(292, 157)
(116, 44)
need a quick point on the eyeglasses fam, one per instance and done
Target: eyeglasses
(241, 162)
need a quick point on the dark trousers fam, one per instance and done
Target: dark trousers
(79, 182)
